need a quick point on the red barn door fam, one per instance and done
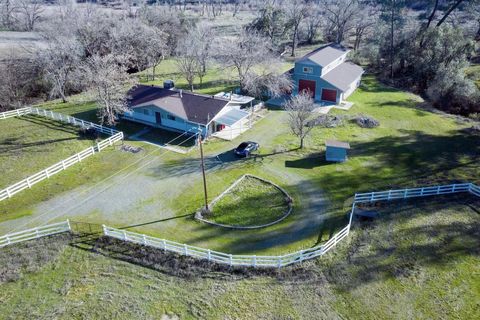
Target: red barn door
(329, 95)
(307, 86)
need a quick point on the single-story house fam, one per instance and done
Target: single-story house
(326, 75)
(182, 111)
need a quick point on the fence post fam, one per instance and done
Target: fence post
(79, 158)
(144, 240)
(36, 232)
(254, 261)
(47, 174)
(125, 235)
(279, 264)
(68, 224)
(105, 230)
(230, 260)
(405, 193)
(164, 245)
(209, 255)
(185, 249)
(8, 193)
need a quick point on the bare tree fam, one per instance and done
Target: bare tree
(244, 53)
(268, 82)
(109, 83)
(339, 14)
(8, 10)
(362, 23)
(313, 22)
(19, 81)
(59, 60)
(295, 10)
(31, 11)
(200, 39)
(300, 111)
(187, 62)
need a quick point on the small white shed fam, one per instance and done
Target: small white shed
(336, 150)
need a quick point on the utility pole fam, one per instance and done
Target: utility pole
(203, 172)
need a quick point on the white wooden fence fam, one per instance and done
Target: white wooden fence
(247, 260)
(34, 233)
(225, 258)
(64, 164)
(413, 193)
(302, 255)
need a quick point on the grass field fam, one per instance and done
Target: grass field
(29, 144)
(412, 146)
(252, 202)
(419, 260)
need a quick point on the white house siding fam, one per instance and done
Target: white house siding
(334, 64)
(352, 88)
(178, 124)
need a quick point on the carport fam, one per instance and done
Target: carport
(230, 124)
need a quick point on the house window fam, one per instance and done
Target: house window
(170, 117)
(307, 70)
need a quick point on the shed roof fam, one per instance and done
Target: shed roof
(187, 105)
(343, 75)
(325, 55)
(337, 144)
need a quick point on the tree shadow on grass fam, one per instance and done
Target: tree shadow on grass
(13, 145)
(50, 124)
(409, 237)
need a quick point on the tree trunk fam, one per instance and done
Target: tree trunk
(392, 19)
(445, 16)
(301, 143)
(294, 40)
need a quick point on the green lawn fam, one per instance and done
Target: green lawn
(252, 202)
(29, 144)
(419, 260)
(473, 72)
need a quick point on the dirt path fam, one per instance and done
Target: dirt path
(143, 194)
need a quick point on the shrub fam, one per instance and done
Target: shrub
(366, 121)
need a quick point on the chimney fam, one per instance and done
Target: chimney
(181, 93)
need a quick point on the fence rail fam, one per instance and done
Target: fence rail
(288, 259)
(239, 260)
(225, 258)
(413, 193)
(34, 233)
(64, 164)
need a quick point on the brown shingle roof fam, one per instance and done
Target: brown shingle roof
(189, 106)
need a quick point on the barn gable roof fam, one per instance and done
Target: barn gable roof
(343, 75)
(325, 55)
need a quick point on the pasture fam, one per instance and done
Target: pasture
(156, 191)
(395, 267)
(31, 143)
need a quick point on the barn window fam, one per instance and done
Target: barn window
(307, 70)
(146, 112)
(170, 117)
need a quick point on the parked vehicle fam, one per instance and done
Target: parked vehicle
(246, 148)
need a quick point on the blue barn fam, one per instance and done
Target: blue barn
(325, 74)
